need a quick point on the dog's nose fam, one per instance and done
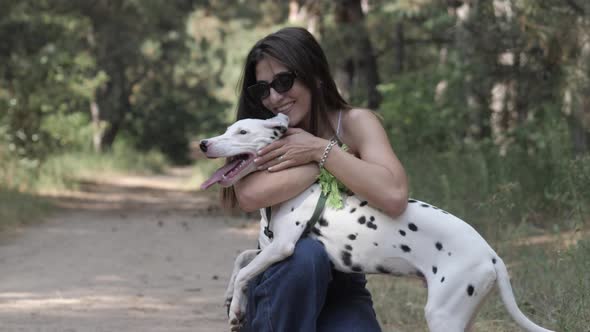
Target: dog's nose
(203, 145)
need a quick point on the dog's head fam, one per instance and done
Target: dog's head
(240, 144)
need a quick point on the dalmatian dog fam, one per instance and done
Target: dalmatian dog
(458, 265)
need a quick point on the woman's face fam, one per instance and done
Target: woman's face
(295, 103)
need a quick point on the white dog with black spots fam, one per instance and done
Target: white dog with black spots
(459, 266)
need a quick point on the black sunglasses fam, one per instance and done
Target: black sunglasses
(281, 83)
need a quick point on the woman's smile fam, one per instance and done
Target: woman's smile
(285, 108)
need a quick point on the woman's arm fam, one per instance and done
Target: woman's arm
(378, 176)
(261, 189)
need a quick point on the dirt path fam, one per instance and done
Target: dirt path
(130, 254)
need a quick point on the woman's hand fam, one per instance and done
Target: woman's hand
(296, 147)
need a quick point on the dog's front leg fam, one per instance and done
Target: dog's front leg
(242, 260)
(276, 251)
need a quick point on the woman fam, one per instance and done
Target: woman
(287, 72)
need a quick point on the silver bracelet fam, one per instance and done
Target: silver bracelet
(326, 152)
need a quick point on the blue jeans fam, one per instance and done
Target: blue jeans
(304, 294)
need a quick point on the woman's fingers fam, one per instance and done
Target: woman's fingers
(270, 159)
(281, 165)
(272, 146)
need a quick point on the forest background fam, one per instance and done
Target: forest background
(487, 104)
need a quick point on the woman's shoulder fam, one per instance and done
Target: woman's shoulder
(359, 124)
(360, 118)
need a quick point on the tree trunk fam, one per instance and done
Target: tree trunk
(577, 96)
(112, 57)
(400, 48)
(307, 12)
(360, 63)
(468, 14)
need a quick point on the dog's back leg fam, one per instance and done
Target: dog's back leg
(454, 302)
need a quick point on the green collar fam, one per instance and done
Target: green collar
(315, 217)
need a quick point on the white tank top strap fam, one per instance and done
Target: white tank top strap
(339, 127)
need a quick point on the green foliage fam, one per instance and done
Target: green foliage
(60, 56)
(65, 170)
(414, 118)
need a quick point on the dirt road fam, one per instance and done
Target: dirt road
(129, 254)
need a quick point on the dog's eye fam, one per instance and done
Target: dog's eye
(243, 132)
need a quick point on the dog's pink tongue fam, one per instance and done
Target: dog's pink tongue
(218, 175)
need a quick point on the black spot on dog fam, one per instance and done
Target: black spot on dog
(405, 248)
(424, 205)
(292, 209)
(348, 247)
(372, 218)
(439, 246)
(402, 232)
(382, 269)
(413, 227)
(357, 268)
(297, 223)
(412, 201)
(375, 244)
(273, 137)
(450, 253)
(434, 269)
(442, 279)
(362, 220)
(275, 133)
(363, 203)
(494, 260)
(470, 290)
(323, 222)
(316, 231)
(346, 258)
(371, 225)
(394, 246)
(352, 237)
(352, 210)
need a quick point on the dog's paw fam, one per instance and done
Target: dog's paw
(227, 304)
(235, 321)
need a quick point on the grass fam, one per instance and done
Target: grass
(18, 209)
(65, 170)
(23, 181)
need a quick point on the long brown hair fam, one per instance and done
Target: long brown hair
(300, 52)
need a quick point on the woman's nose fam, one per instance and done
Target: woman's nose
(274, 96)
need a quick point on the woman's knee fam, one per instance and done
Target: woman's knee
(309, 258)
(310, 253)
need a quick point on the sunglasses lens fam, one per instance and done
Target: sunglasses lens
(259, 91)
(283, 82)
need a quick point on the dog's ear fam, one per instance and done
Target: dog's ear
(281, 128)
(276, 125)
